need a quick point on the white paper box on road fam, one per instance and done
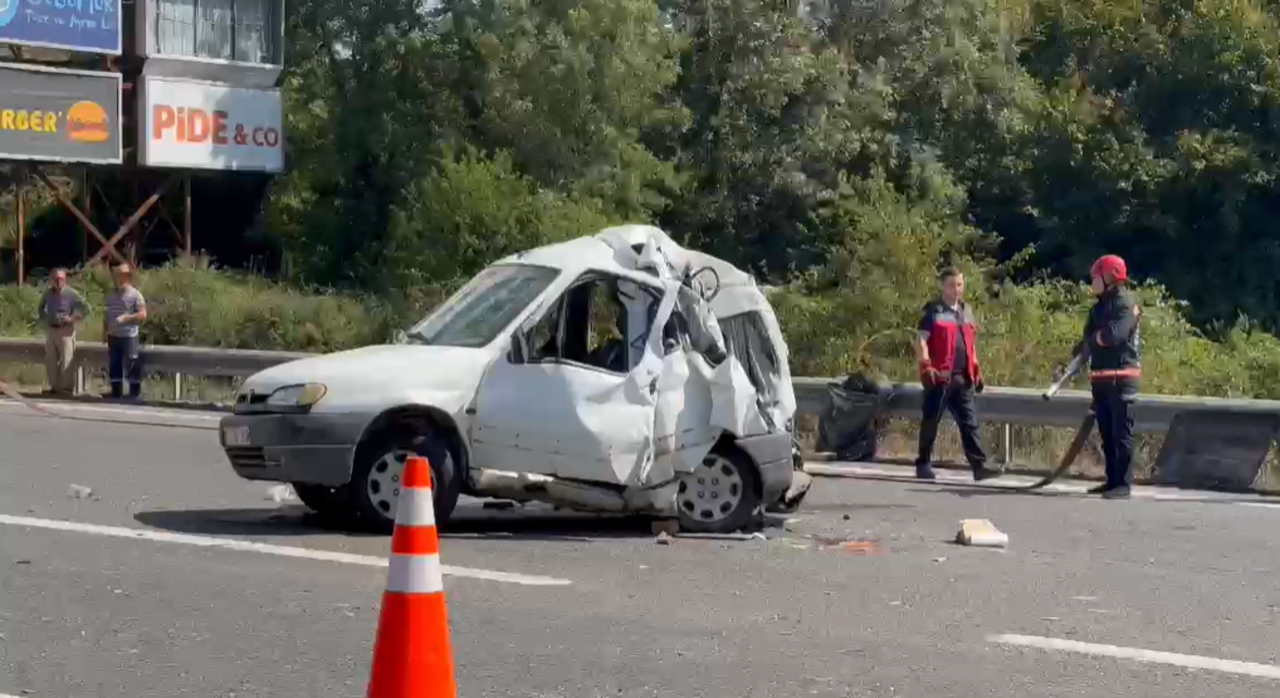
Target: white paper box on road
(981, 533)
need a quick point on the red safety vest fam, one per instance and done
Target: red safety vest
(942, 339)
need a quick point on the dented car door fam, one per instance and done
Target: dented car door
(575, 395)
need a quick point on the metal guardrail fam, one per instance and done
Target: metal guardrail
(177, 361)
(1024, 406)
(1018, 406)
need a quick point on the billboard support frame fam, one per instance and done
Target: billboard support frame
(20, 203)
(75, 211)
(109, 246)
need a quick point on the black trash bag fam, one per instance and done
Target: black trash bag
(849, 428)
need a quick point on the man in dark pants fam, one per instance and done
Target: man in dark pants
(1112, 337)
(950, 373)
(126, 309)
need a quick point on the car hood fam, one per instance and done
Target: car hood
(403, 373)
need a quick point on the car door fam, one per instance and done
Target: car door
(565, 402)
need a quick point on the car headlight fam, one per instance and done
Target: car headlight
(297, 395)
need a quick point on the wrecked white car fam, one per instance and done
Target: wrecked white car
(613, 373)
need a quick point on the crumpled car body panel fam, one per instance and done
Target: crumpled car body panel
(645, 428)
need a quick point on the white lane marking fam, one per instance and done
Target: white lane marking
(1188, 661)
(1261, 505)
(268, 549)
(58, 406)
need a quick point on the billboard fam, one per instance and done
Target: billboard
(59, 115)
(203, 125)
(92, 26)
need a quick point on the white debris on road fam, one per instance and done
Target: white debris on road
(981, 533)
(79, 492)
(281, 493)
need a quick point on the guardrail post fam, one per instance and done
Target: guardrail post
(1006, 450)
(177, 386)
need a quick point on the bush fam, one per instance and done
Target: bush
(858, 313)
(474, 210)
(193, 304)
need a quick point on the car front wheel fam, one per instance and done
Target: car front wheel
(377, 479)
(721, 495)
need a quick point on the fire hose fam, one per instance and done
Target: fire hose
(1082, 434)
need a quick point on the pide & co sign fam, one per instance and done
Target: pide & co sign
(189, 124)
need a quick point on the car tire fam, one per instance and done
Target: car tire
(379, 463)
(330, 503)
(721, 495)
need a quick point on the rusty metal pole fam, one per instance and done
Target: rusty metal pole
(21, 195)
(86, 183)
(186, 216)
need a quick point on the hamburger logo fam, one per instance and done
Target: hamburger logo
(87, 123)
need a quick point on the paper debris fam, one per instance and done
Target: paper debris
(79, 492)
(281, 493)
(670, 527)
(663, 539)
(982, 533)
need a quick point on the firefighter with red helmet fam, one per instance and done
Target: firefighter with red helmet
(1111, 338)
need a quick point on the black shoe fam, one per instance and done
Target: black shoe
(925, 472)
(982, 472)
(1100, 489)
(1119, 492)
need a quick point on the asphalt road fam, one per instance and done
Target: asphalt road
(862, 594)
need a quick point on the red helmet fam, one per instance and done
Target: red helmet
(1110, 265)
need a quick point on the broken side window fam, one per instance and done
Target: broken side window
(600, 322)
(748, 341)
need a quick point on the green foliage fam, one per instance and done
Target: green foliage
(843, 151)
(472, 211)
(193, 304)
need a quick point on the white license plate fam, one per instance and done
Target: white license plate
(235, 436)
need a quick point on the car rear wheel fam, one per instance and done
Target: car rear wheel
(376, 481)
(721, 495)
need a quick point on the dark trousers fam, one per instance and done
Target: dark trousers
(1113, 407)
(123, 360)
(958, 399)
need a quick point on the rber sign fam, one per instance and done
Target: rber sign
(76, 25)
(199, 125)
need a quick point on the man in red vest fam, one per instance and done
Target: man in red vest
(950, 374)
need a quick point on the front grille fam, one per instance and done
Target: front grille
(249, 457)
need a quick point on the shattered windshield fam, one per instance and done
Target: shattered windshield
(475, 315)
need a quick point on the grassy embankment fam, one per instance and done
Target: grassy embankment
(1025, 331)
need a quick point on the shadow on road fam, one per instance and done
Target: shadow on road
(295, 520)
(850, 507)
(467, 522)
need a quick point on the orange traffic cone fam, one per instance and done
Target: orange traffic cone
(411, 653)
